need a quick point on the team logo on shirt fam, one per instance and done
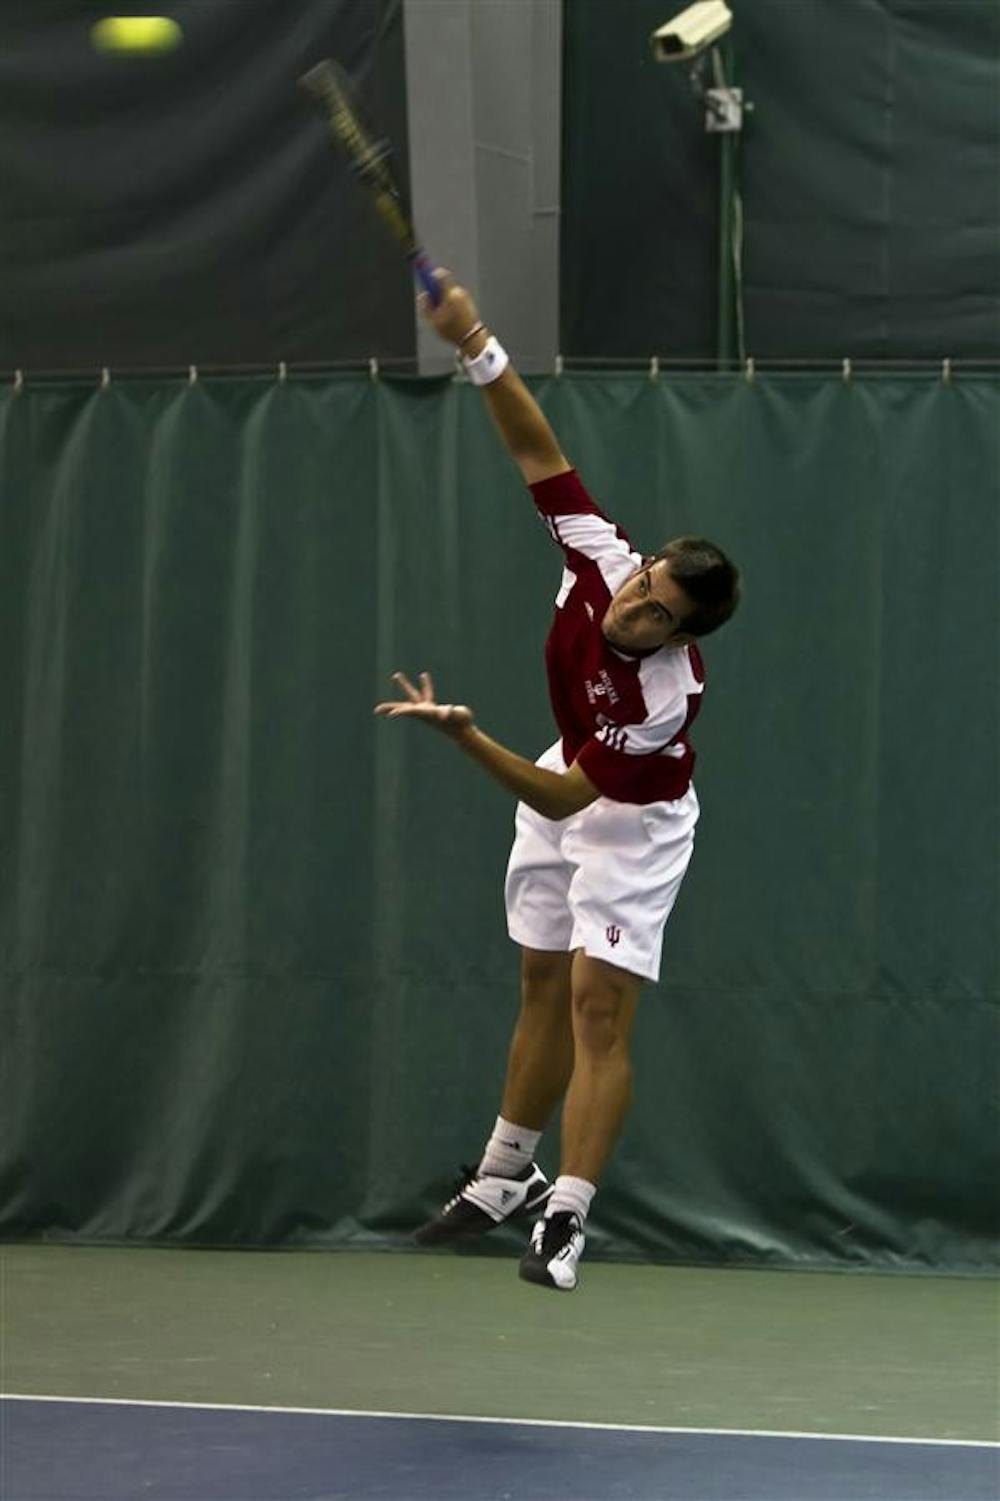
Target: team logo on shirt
(602, 688)
(613, 934)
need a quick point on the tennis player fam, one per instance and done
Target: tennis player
(604, 827)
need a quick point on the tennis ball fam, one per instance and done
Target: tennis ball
(136, 34)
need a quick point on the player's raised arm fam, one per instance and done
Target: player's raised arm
(516, 414)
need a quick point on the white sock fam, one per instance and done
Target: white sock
(509, 1149)
(572, 1195)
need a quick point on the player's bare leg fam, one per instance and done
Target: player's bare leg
(600, 1091)
(540, 1061)
(507, 1180)
(604, 1002)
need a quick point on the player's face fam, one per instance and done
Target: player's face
(648, 611)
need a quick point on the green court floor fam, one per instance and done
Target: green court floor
(397, 1332)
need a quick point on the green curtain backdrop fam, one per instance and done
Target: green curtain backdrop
(256, 986)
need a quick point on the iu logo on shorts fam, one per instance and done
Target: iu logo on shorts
(613, 934)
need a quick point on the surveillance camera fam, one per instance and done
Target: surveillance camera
(691, 31)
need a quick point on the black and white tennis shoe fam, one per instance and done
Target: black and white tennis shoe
(554, 1252)
(482, 1201)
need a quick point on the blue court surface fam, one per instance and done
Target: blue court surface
(89, 1450)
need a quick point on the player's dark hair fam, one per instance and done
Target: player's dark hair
(709, 580)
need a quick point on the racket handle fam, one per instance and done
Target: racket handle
(424, 272)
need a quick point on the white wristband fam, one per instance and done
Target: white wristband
(489, 364)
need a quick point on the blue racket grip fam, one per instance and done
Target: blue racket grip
(424, 272)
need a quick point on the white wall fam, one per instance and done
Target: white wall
(484, 102)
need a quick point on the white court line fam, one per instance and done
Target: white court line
(464, 1417)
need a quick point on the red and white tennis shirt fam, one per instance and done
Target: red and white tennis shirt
(624, 718)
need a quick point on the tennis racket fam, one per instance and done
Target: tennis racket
(370, 162)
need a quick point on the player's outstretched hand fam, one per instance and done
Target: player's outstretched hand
(455, 314)
(419, 703)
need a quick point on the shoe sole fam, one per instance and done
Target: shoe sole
(539, 1277)
(436, 1235)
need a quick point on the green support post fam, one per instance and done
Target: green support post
(728, 146)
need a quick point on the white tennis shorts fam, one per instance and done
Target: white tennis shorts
(603, 880)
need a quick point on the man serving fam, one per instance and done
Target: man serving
(605, 820)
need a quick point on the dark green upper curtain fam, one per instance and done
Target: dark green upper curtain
(869, 171)
(189, 207)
